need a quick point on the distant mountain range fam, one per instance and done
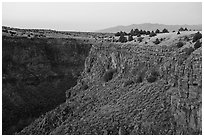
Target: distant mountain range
(150, 27)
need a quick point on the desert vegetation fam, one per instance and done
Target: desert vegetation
(198, 44)
(157, 41)
(197, 36)
(122, 39)
(183, 29)
(138, 33)
(179, 44)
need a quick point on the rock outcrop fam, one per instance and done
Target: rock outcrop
(132, 89)
(36, 74)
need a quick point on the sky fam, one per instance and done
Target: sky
(96, 16)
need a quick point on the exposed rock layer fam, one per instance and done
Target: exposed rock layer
(131, 89)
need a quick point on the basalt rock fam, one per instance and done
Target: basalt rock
(169, 105)
(36, 72)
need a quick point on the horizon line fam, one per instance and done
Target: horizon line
(96, 30)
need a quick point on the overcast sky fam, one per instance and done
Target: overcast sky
(96, 16)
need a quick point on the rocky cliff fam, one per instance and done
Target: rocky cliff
(132, 89)
(36, 72)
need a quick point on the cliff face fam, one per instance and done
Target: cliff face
(132, 89)
(36, 74)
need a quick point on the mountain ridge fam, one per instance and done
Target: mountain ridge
(149, 26)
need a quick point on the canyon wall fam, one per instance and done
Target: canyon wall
(36, 72)
(132, 89)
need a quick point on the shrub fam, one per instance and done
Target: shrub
(179, 44)
(132, 32)
(153, 76)
(173, 31)
(5, 30)
(140, 39)
(138, 35)
(136, 31)
(122, 39)
(117, 34)
(185, 29)
(130, 38)
(147, 32)
(156, 41)
(197, 36)
(141, 32)
(144, 32)
(109, 75)
(127, 83)
(188, 51)
(165, 31)
(198, 44)
(152, 34)
(157, 31)
(181, 29)
(12, 32)
(178, 33)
